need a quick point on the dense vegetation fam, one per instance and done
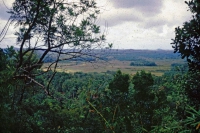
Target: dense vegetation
(143, 63)
(98, 102)
(39, 101)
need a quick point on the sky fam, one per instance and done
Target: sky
(129, 24)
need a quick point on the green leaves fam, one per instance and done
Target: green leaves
(96, 29)
(142, 80)
(51, 26)
(120, 82)
(79, 32)
(193, 118)
(186, 40)
(70, 11)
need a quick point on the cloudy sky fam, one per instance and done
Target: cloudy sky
(131, 24)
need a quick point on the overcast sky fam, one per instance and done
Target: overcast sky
(131, 24)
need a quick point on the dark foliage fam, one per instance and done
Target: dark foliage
(187, 41)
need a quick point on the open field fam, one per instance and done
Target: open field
(113, 65)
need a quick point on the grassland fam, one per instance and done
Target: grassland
(163, 65)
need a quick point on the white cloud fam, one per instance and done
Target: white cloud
(136, 24)
(131, 26)
(4, 7)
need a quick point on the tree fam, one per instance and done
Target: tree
(120, 82)
(144, 99)
(65, 29)
(60, 28)
(187, 41)
(114, 104)
(6, 72)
